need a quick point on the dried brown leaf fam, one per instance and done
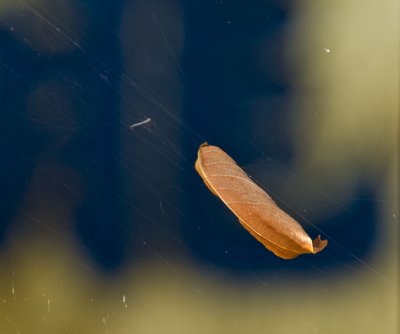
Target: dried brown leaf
(256, 210)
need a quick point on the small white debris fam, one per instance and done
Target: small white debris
(147, 120)
(124, 301)
(327, 50)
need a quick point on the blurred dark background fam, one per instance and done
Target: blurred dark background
(105, 225)
(61, 93)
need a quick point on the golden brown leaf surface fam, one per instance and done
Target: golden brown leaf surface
(256, 210)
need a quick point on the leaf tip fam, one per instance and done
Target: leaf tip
(319, 244)
(203, 145)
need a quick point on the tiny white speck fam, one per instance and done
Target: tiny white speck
(229, 22)
(327, 50)
(124, 301)
(394, 216)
